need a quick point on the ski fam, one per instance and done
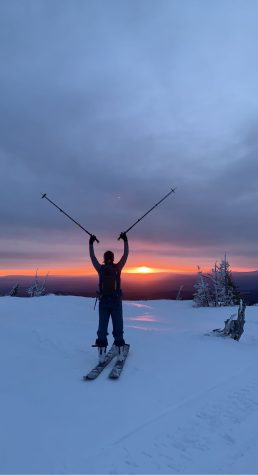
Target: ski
(94, 373)
(118, 366)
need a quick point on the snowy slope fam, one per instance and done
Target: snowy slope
(186, 403)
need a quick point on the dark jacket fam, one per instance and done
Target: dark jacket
(117, 267)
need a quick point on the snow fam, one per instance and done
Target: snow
(185, 403)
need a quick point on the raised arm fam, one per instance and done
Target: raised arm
(123, 259)
(94, 260)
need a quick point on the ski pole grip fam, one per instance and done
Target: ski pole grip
(122, 236)
(95, 239)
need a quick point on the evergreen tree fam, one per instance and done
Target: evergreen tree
(215, 284)
(223, 290)
(227, 292)
(202, 295)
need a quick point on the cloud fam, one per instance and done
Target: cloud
(106, 105)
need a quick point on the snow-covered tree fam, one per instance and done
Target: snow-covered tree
(216, 288)
(224, 291)
(227, 291)
(202, 295)
(14, 291)
(37, 289)
(214, 282)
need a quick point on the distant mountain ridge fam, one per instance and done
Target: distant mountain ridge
(135, 286)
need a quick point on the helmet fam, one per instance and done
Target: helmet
(108, 256)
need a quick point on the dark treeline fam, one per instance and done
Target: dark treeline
(135, 287)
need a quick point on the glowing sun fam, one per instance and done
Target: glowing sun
(143, 270)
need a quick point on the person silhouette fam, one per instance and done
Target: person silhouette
(110, 297)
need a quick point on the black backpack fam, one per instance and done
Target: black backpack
(109, 280)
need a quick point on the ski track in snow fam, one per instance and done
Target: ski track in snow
(201, 423)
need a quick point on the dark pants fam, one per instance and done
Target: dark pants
(110, 307)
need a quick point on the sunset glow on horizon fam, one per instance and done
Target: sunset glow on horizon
(77, 272)
(141, 270)
(88, 271)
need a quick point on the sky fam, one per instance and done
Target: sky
(108, 104)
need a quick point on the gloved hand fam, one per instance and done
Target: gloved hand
(92, 239)
(123, 236)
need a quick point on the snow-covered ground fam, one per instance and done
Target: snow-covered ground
(185, 403)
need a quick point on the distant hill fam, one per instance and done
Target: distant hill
(135, 286)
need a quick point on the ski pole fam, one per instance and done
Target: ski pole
(138, 220)
(44, 195)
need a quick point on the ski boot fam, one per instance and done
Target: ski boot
(102, 349)
(120, 346)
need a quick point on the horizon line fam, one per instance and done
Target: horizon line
(141, 271)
